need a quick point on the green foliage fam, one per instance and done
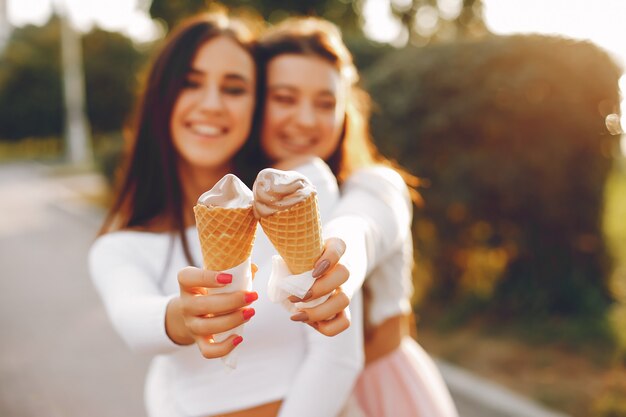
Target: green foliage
(30, 83)
(343, 12)
(424, 21)
(31, 92)
(615, 232)
(509, 135)
(111, 63)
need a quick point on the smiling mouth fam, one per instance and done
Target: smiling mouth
(207, 130)
(297, 144)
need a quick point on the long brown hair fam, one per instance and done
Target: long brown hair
(321, 38)
(150, 185)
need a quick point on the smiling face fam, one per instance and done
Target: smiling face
(212, 115)
(304, 107)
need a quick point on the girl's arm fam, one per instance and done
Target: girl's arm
(327, 375)
(132, 299)
(373, 217)
(330, 369)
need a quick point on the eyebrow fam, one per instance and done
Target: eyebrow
(294, 89)
(229, 76)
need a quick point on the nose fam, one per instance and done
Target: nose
(211, 100)
(306, 114)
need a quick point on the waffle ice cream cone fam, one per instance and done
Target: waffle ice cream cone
(286, 204)
(226, 229)
(226, 235)
(296, 234)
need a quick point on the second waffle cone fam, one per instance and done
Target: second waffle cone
(296, 234)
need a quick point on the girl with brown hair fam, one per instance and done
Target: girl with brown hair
(312, 106)
(193, 118)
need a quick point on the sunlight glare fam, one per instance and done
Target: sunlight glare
(379, 23)
(36, 12)
(600, 21)
(426, 20)
(449, 9)
(112, 15)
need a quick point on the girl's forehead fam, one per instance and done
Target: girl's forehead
(303, 71)
(222, 54)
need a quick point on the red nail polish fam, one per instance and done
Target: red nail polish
(250, 297)
(223, 278)
(237, 340)
(247, 313)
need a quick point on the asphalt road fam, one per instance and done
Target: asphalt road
(59, 356)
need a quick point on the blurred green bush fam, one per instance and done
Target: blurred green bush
(31, 99)
(509, 135)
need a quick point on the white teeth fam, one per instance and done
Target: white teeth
(208, 130)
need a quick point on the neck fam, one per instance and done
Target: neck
(194, 182)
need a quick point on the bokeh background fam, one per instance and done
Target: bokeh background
(507, 111)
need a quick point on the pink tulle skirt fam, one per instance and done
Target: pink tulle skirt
(404, 383)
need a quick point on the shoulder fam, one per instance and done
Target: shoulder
(379, 178)
(121, 244)
(315, 169)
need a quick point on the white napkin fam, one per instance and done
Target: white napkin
(282, 284)
(242, 281)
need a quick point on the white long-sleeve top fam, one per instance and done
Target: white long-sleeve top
(279, 359)
(373, 217)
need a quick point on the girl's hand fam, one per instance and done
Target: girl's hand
(204, 315)
(329, 318)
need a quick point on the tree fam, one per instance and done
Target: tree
(342, 12)
(512, 141)
(431, 21)
(112, 63)
(30, 83)
(31, 96)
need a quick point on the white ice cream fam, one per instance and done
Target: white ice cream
(229, 192)
(275, 190)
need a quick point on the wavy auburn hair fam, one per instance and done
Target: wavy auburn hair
(149, 186)
(310, 36)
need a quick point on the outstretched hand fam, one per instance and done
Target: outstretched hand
(329, 318)
(201, 314)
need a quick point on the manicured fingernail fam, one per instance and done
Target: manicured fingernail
(301, 316)
(250, 297)
(295, 299)
(223, 278)
(247, 313)
(237, 340)
(320, 268)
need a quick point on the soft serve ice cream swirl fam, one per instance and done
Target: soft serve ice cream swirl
(275, 190)
(229, 192)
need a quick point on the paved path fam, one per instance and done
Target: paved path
(59, 356)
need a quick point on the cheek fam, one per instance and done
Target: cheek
(269, 131)
(243, 112)
(332, 129)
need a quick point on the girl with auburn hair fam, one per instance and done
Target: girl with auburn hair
(312, 106)
(192, 120)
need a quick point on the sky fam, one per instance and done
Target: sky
(602, 22)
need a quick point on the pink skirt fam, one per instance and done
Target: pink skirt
(404, 383)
